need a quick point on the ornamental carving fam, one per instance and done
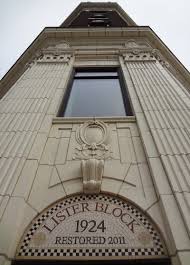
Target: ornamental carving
(142, 55)
(93, 139)
(55, 51)
(135, 44)
(93, 149)
(136, 55)
(54, 57)
(156, 53)
(92, 171)
(58, 45)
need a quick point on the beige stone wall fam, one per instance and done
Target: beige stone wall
(26, 113)
(163, 114)
(149, 163)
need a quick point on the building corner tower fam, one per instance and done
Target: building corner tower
(95, 144)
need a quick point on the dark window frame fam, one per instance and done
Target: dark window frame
(124, 91)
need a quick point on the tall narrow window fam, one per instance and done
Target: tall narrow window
(94, 93)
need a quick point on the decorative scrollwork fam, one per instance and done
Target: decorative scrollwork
(136, 55)
(93, 137)
(134, 44)
(93, 149)
(140, 55)
(52, 57)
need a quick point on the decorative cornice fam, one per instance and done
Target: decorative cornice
(54, 57)
(137, 55)
(143, 55)
(156, 53)
(136, 44)
(63, 33)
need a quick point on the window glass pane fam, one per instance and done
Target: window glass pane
(95, 97)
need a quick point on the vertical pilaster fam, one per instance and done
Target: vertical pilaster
(163, 119)
(26, 113)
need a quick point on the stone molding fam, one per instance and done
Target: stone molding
(78, 120)
(50, 57)
(57, 45)
(133, 43)
(54, 57)
(138, 54)
(132, 32)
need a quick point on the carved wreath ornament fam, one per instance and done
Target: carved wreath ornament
(93, 149)
(93, 137)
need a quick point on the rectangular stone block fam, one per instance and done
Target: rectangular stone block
(174, 222)
(156, 214)
(10, 170)
(183, 257)
(134, 194)
(115, 169)
(71, 170)
(159, 176)
(38, 146)
(46, 124)
(177, 172)
(110, 185)
(55, 132)
(149, 144)
(126, 150)
(13, 224)
(133, 177)
(5, 139)
(66, 133)
(73, 186)
(124, 132)
(25, 181)
(50, 151)
(62, 151)
(145, 175)
(41, 194)
(20, 144)
(3, 204)
(134, 129)
(72, 147)
(184, 206)
(55, 103)
(139, 152)
(136, 106)
(112, 126)
(114, 145)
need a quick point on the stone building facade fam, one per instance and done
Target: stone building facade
(112, 188)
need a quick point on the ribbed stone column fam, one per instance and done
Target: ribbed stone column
(162, 108)
(26, 113)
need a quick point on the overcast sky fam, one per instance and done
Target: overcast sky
(22, 20)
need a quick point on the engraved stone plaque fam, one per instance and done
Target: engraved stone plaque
(92, 226)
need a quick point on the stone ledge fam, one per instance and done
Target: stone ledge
(63, 120)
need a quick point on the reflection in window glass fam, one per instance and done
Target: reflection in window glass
(95, 94)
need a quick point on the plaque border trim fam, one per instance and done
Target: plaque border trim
(107, 257)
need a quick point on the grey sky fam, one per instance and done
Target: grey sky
(22, 20)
